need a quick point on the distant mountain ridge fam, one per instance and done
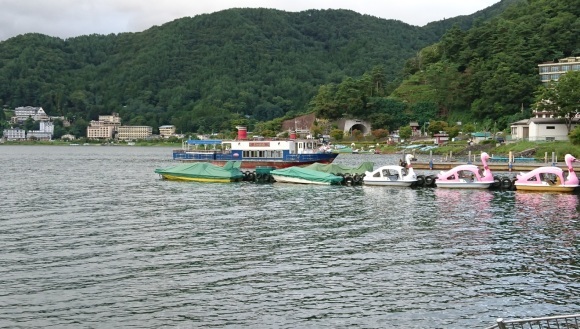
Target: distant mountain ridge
(209, 71)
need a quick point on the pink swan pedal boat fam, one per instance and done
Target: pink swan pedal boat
(549, 179)
(466, 176)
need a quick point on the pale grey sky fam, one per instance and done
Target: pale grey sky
(69, 18)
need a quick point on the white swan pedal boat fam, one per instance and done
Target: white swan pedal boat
(392, 175)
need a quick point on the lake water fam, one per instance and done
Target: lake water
(90, 237)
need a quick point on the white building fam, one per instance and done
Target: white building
(21, 114)
(542, 127)
(45, 131)
(14, 134)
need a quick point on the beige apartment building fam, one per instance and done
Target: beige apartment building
(105, 127)
(113, 119)
(166, 131)
(134, 132)
(552, 71)
(97, 130)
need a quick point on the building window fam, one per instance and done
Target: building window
(550, 127)
(565, 68)
(554, 69)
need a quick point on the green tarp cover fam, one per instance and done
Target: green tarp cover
(308, 174)
(340, 169)
(204, 170)
(343, 150)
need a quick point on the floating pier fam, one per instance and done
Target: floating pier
(508, 166)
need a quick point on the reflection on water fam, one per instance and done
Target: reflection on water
(93, 238)
(566, 205)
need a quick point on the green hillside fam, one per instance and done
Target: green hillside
(210, 72)
(489, 73)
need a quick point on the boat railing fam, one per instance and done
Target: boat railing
(561, 322)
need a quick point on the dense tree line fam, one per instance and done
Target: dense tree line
(486, 74)
(210, 72)
(489, 73)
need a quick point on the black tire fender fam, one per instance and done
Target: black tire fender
(420, 180)
(429, 180)
(506, 183)
(496, 182)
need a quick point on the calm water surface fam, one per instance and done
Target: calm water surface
(90, 237)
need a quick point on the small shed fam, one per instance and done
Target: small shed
(441, 138)
(481, 136)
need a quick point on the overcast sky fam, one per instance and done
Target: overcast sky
(69, 18)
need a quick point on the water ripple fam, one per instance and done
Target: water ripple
(92, 238)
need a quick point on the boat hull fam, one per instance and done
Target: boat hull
(464, 185)
(296, 180)
(545, 188)
(197, 179)
(388, 183)
(252, 164)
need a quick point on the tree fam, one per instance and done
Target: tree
(452, 131)
(561, 98)
(575, 136)
(437, 126)
(337, 134)
(379, 133)
(357, 134)
(468, 128)
(405, 132)
(569, 96)
(29, 124)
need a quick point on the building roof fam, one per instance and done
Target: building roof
(299, 123)
(547, 120)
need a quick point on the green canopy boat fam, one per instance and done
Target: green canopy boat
(304, 176)
(333, 168)
(203, 172)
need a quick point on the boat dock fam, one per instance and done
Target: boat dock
(494, 166)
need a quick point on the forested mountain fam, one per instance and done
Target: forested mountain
(489, 73)
(208, 72)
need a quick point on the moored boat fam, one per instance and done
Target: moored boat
(203, 172)
(467, 176)
(392, 175)
(301, 175)
(549, 179)
(256, 153)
